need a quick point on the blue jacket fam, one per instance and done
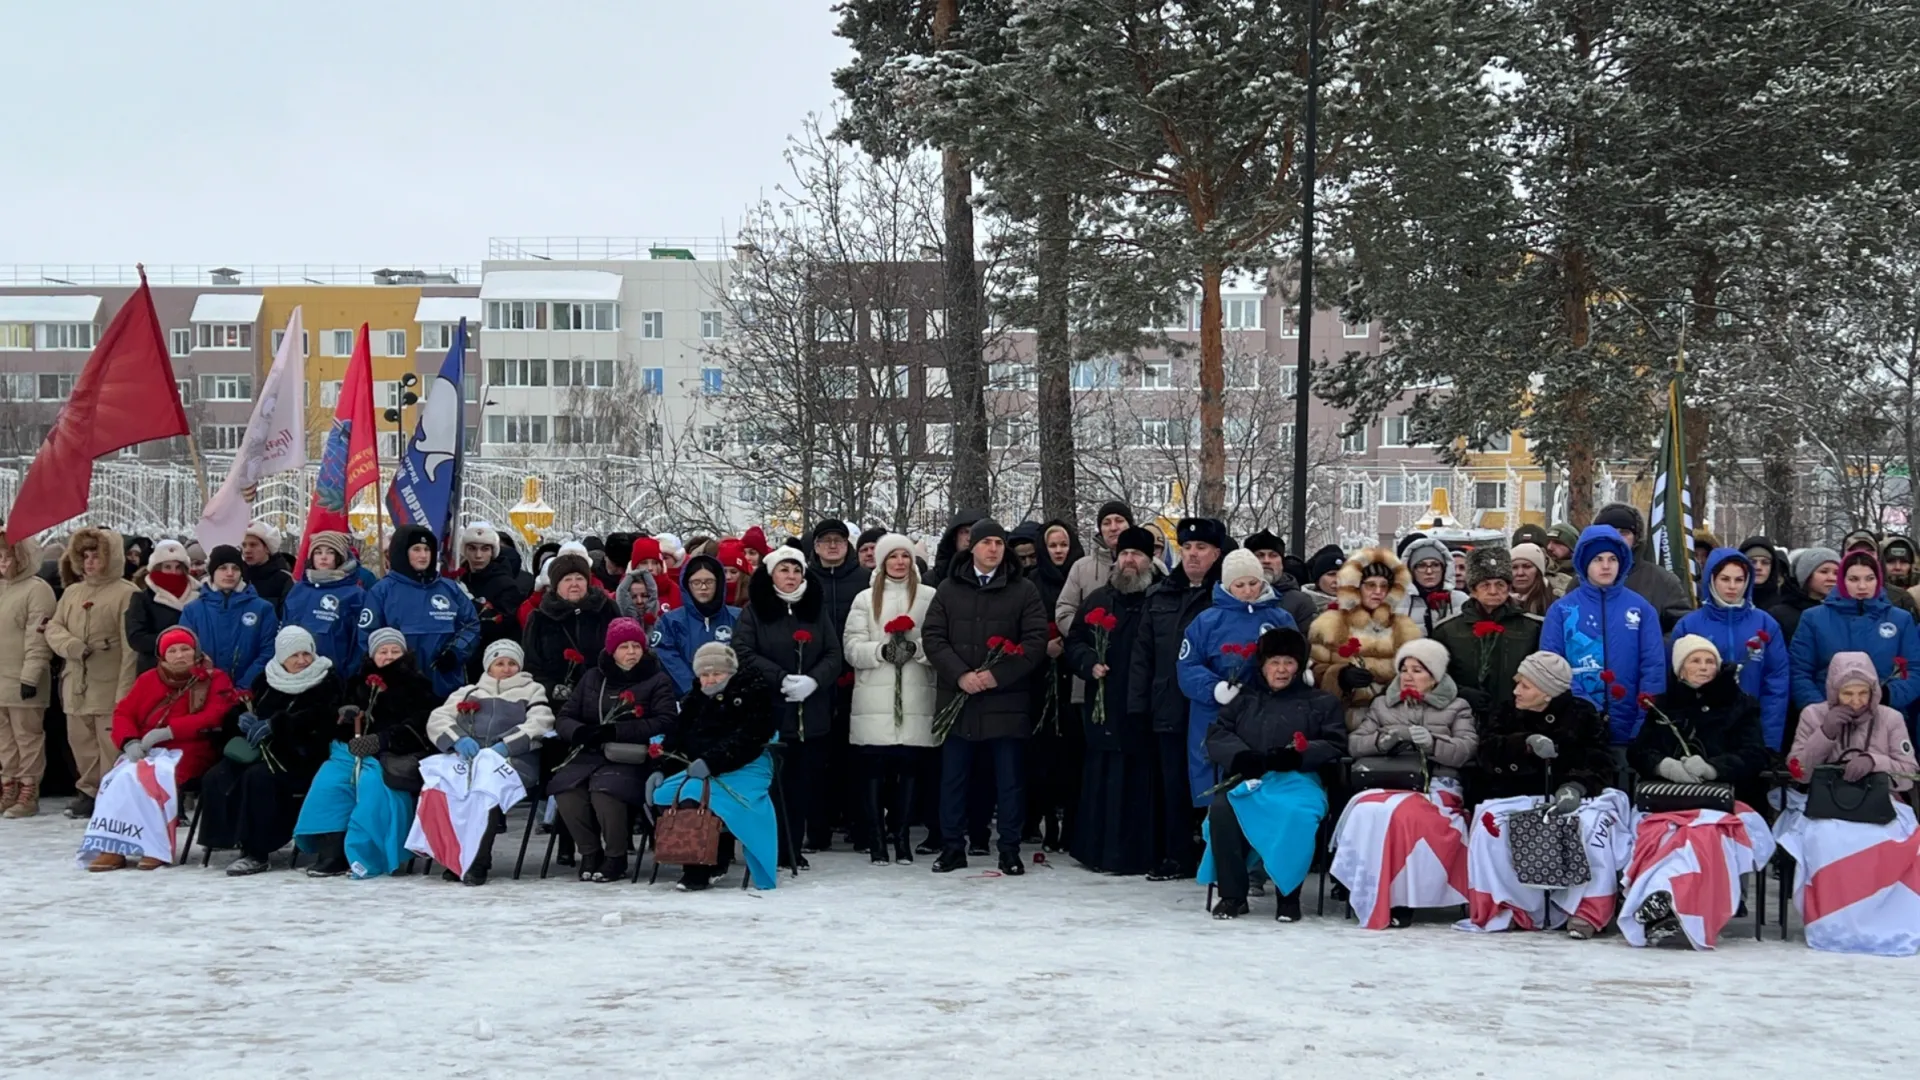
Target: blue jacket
(679, 633)
(1764, 671)
(235, 629)
(436, 616)
(331, 613)
(1230, 621)
(1608, 629)
(1841, 624)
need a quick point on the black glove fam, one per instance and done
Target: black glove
(29, 691)
(898, 652)
(1285, 759)
(363, 745)
(559, 694)
(1354, 677)
(596, 735)
(1248, 764)
(447, 662)
(347, 714)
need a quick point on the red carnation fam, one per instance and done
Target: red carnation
(654, 750)
(996, 642)
(1410, 694)
(1110, 622)
(1439, 598)
(1796, 770)
(375, 682)
(1754, 643)
(1900, 667)
(468, 707)
(243, 695)
(1300, 742)
(1492, 826)
(88, 606)
(1646, 700)
(1053, 630)
(1096, 616)
(626, 697)
(1765, 636)
(1487, 627)
(899, 624)
(845, 679)
(1350, 648)
(1606, 676)
(1619, 692)
(1011, 648)
(802, 637)
(573, 656)
(1333, 605)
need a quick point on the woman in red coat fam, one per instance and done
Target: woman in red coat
(184, 701)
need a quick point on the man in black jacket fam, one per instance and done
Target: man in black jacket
(984, 599)
(1153, 686)
(1272, 553)
(263, 568)
(839, 578)
(497, 590)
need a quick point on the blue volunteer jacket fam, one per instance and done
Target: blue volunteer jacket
(1608, 629)
(1229, 621)
(235, 629)
(436, 616)
(1841, 624)
(1746, 637)
(330, 611)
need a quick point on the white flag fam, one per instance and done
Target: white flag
(275, 442)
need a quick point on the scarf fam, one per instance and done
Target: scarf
(169, 589)
(192, 682)
(289, 682)
(790, 597)
(317, 576)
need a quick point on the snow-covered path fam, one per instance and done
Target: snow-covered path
(862, 971)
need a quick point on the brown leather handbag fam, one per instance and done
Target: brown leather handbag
(689, 835)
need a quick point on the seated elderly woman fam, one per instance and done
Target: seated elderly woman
(1702, 729)
(1548, 740)
(624, 700)
(164, 728)
(1270, 742)
(267, 764)
(504, 711)
(1856, 748)
(359, 809)
(721, 739)
(1402, 842)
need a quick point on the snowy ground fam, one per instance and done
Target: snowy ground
(862, 971)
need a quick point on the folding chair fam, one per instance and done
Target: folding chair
(536, 807)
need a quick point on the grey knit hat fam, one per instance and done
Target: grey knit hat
(386, 635)
(1807, 560)
(1548, 671)
(715, 657)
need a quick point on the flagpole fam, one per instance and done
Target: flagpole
(193, 443)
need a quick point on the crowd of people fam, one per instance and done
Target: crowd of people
(1553, 734)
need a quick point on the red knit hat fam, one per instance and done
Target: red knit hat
(644, 548)
(755, 539)
(176, 635)
(733, 555)
(622, 630)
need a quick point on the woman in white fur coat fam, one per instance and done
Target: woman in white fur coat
(888, 668)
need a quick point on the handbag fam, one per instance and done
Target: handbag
(1831, 796)
(401, 772)
(1546, 849)
(689, 835)
(1662, 797)
(239, 751)
(1392, 772)
(625, 753)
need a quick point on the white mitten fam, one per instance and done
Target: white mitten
(1700, 770)
(1224, 692)
(801, 689)
(1674, 771)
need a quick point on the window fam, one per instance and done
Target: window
(887, 324)
(1241, 312)
(653, 380)
(389, 449)
(1412, 489)
(516, 429)
(1012, 376)
(20, 336)
(1009, 433)
(936, 382)
(19, 387)
(940, 439)
(516, 315)
(1243, 373)
(1164, 434)
(225, 336)
(502, 371)
(1243, 490)
(597, 374)
(1158, 376)
(835, 324)
(336, 343)
(395, 342)
(936, 324)
(218, 438)
(711, 381)
(1489, 495)
(576, 430)
(438, 335)
(1354, 440)
(1282, 436)
(330, 393)
(1289, 321)
(1240, 430)
(585, 316)
(840, 381)
(55, 387)
(183, 387)
(709, 325)
(653, 325)
(1353, 495)
(1353, 330)
(1393, 432)
(280, 336)
(1498, 444)
(180, 342)
(470, 386)
(1154, 495)
(68, 335)
(1100, 374)
(902, 381)
(1289, 382)
(713, 438)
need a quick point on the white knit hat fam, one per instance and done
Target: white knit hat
(1530, 553)
(784, 553)
(1431, 654)
(1687, 644)
(503, 647)
(167, 551)
(1241, 563)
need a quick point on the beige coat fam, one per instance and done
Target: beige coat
(873, 678)
(26, 603)
(89, 627)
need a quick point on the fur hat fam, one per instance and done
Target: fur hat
(1241, 564)
(167, 551)
(1431, 654)
(386, 635)
(1373, 562)
(622, 630)
(1531, 553)
(1488, 563)
(1550, 672)
(1135, 538)
(503, 647)
(1280, 641)
(569, 563)
(887, 544)
(715, 656)
(1807, 560)
(1687, 644)
(266, 534)
(481, 533)
(1264, 540)
(1200, 530)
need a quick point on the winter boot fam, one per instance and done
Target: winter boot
(330, 855)
(590, 867)
(9, 794)
(80, 806)
(1229, 909)
(476, 875)
(149, 863)
(876, 844)
(695, 878)
(1289, 910)
(1010, 863)
(613, 868)
(1581, 930)
(1400, 918)
(28, 803)
(949, 861)
(1169, 870)
(902, 813)
(106, 861)
(1050, 833)
(246, 866)
(1656, 914)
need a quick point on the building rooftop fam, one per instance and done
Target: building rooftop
(608, 248)
(86, 274)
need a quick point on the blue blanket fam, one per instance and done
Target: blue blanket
(375, 818)
(1281, 820)
(741, 799)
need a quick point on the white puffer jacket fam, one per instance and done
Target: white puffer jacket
(873, 678)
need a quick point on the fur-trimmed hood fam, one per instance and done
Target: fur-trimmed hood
(767, 604)
(26, 556)
(1351, 574)
(114, 565)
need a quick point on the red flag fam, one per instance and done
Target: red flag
(351, 459)
(117, 402)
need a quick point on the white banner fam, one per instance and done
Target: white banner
(275, 442)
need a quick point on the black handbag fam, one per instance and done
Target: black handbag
(1392, 772)
(401, 772)
(1833, 797)
(1662, 797)
(1547, 850)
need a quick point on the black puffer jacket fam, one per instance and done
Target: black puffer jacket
(1720, 722)
(728, 730)
(397, 713)
(597, 701)
(1121, 730)
(1153, 687)
(764, 640)
(497, 591)
(272, 579)
(558, 625)
(964, 615)
(1579, 734)
(1261, 719)
(838, 585)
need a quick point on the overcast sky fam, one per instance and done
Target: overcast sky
(387, 131)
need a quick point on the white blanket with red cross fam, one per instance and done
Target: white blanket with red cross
(1496, 900)
(1697, 857)
(1857, 886)
(456, 799)
(1402, 849)
(136, 812)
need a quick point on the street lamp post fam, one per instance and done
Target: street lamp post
(1303, 383)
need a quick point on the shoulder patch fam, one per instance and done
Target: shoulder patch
(1186, 647)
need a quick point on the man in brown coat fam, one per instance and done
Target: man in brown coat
(89, 631)
(26, 603)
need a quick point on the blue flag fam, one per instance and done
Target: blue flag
(426, 490)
